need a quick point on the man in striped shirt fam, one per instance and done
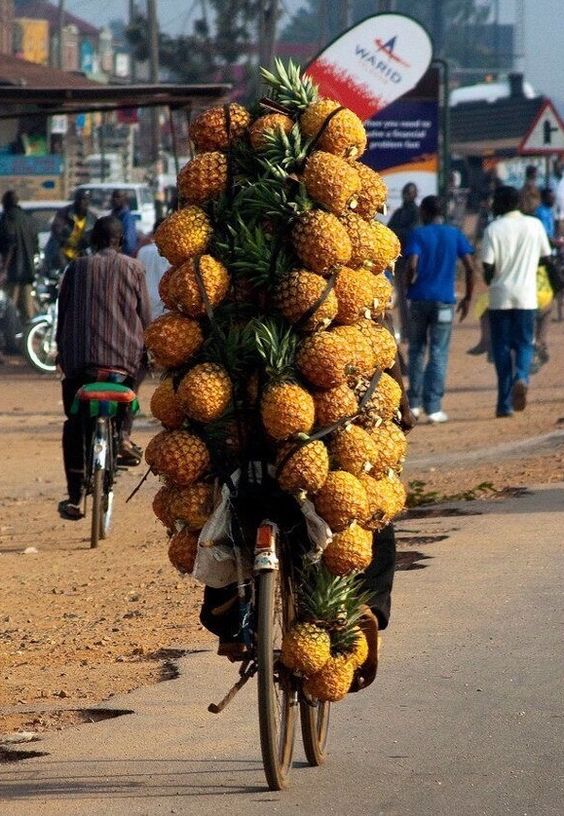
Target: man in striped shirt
(103, 309)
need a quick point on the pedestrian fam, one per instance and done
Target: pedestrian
(432, 252)
(121, 210)
(545, 295)
(18, 249)
(70, 232)
(155, 266)
(529, 195)
(103, 310)
(513, 246)
(403, 220)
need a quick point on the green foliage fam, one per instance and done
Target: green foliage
(417, 495)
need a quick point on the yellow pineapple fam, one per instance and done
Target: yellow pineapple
(182, 549)
(364, 360)
(306, 648)
(391, 444)
(204, 177)
(192, 505)
(215, 128)
(359, 652)
(354, 450)
(268, 124)
(297, 293)
(382, 291)
(331, 181)
(382, 405)
(324, 359)
(205, 392)
(381, 341)
(183, 234)
(386, 498)
(373, 191)
(334, 404)
(172, 339)
(373, 245)
(165, 405)
(354, 289)
(333, 681)
(161, 505)
(305, 470)
(286, 409)
(320, 241)
(165, 291)
(349, 551)
(178, 455)
(186, 292)
(342, 135)
(341, 500)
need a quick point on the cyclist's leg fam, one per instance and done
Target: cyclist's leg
(378, 578)
(73, 454)
(129, 453)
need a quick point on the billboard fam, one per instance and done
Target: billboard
(31, 40)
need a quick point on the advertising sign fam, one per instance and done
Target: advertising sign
(31, 40)
(373, 63)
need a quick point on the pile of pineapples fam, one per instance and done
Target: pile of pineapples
(274, 346)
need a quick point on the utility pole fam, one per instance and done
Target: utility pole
(267, 20)
(153, 34)
(132, 16)
(438, 27)
(60, 27)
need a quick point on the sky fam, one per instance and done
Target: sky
(544, 32)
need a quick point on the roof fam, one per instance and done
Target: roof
(42, 10)
(488, 128)
(21, 73)
(487, 92)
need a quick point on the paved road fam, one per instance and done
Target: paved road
(464, 719)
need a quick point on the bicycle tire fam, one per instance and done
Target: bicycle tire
(277, 718)
(47, 365)
(97, 491)
(315, 726)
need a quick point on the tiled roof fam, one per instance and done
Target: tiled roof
(506, 119)
(14, 71)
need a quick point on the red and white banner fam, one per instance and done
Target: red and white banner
(373, 64)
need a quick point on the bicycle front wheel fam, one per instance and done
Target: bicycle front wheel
(97, 507)
(315, 726)
(277, 691)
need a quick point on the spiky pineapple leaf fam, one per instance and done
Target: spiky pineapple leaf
(288, 86)
(275, 342)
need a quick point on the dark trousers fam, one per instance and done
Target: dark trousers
(512, 332)
(378, 579)
(73, 444)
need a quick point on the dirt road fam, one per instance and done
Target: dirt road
(80, 625)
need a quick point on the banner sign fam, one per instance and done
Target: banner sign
(373, 63)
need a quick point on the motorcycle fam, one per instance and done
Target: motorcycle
(38, 340)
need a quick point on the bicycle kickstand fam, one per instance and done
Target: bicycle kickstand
(247, 670)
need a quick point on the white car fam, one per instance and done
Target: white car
(141, 201)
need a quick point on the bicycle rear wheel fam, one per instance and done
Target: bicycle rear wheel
(97, 507)
(315, 726)
(277, 690)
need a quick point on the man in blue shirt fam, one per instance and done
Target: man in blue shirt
(432, 251)
(120, 209)
(545, 212)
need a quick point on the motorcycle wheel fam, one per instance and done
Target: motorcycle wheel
(39, 346)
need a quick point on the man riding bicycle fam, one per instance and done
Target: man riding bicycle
(103, 309)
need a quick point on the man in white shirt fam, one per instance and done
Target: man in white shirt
(155, 266)
(512, 248)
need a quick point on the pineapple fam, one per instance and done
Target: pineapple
(286, 408)
(349, 551)
(391, 444)
(324, 359)
(205, 392)
(192, 505)
(386, 498)
(297, 293)
(182, 549)
(269, 123)
(373, 191)
(321, 241)
(381, 341)
(186, 292)
(203, 177)
(166, 406)
(333, 681)
(341, 500)
(172, 339)
(178, 455)
(360, 649)
(306, 648)
(165, 291)
(374, 246)
(215, 128)
(364, 360)
(161, 505)
(382, 291)
(183, 234)
(343, 134)
(354, 289)
(382, 405)
(334, 405)
(331, 182)
(354, 450)
(305, 470)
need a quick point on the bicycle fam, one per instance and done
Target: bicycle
(105, 399)
(267, 609)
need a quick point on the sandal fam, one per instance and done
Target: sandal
(69, 511)
(365, 674)
(129, 455)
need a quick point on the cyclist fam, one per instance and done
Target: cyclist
(103, 309)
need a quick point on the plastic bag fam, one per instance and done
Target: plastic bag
(215, 563)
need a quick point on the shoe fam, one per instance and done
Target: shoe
(416, 412)
(129, 455)
(476, 350)
(519, 395)
(504, 414)
(366, 673)
(234, 650)
(437, 417)
(69, 511)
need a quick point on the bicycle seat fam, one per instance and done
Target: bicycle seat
(106, 392)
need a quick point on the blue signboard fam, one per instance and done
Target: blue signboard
(20, 165)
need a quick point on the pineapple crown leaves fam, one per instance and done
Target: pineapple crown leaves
(285, 152)
(233, 348)
(256, 255)
(273, 198)
(332, 601)
(275, 343)
(288, 86)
